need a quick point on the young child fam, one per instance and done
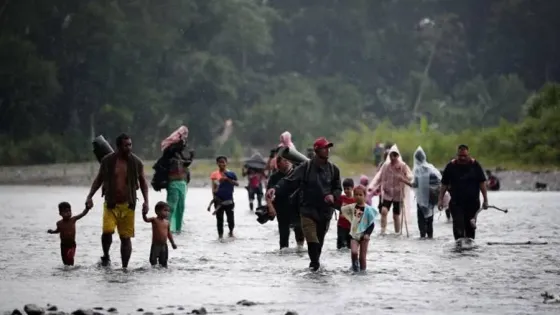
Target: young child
(160, 234)
(362, 219)
(343, 225)
(223, 185)
(67, 230)
(364, 181)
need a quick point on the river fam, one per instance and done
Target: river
(405, 276)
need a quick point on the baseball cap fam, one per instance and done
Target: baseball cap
(322, 143)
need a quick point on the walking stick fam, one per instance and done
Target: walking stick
(405, 220)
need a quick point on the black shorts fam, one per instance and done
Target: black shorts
(396, 206)
(255, 191)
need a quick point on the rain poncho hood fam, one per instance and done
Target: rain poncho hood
(375, 183)
(423, 171)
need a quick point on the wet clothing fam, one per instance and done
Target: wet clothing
(159, 253)
(314, 233)
(285, 223)
(343, 226)
(342, 221)
(310, 183)
(362, 224)
(67, 252)
(255, 187)
(176, 194)
(120, 217)
(465, 180)
(343, 237)
(425, 224)
(314, 182)
(226, 208)
(287, 213)
(462, 215)
(225, 189)
(493, 183)
(107, 171)
(396, 205)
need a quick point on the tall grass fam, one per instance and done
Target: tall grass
(493, 147)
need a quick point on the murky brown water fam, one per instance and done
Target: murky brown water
(406, 276)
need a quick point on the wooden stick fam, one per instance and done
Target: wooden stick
(405, 221)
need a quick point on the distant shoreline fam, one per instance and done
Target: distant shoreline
(82, 174)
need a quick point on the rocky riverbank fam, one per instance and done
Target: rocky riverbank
(82, 174)
(33, 309)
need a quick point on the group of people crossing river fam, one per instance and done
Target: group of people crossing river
(302, 194)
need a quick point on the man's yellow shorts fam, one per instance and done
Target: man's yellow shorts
(122, 218)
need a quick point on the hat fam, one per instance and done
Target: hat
(322, 143)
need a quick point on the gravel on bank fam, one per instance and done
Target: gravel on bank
(34, 309)
(82, 174)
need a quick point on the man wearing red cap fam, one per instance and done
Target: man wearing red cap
(317, 182)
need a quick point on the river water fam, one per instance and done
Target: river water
(405, 276)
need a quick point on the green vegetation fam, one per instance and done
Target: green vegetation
(429, 72)
(533, 144)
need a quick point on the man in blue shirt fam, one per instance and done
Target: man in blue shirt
(224, 182)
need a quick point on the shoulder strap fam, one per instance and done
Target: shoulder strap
(307, 171)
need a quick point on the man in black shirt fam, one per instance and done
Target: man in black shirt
(283, 207)
(318, 183)
(466, 178)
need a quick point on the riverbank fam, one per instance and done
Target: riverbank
(34, 309)
(82, 174)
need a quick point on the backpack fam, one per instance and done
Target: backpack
(299, 192)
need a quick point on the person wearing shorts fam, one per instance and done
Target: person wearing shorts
(120, 174)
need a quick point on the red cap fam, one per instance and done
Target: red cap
(322, 143)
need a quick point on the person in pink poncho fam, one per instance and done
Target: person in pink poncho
(388, 181)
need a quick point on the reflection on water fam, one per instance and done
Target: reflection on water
(405, 276)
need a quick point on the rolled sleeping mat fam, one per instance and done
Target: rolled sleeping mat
(101, 148)
(292, 155)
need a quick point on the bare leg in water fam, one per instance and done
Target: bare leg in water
(126, 249)
(384, 213)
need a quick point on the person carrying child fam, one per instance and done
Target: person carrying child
(223, 185)
(67, 230)
(161, 232)
(362, 219)
(343, 226)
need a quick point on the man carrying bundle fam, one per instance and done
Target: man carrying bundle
(466, 177)
(318, 183)
(120, 174)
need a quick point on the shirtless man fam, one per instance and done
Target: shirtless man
(120, 174)
(160, 233)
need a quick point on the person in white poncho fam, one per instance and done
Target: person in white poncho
(426, 183)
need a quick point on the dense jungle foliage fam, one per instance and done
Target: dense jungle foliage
(424, 72)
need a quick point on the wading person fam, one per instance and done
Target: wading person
(343, 225)
(67, 230)
(362, 219)
(120, 173)
(318, 181)
(223, 185)
(284, 208)
(159, 253)
(465, 175)
(389, 181)
(177, 176)
(255, 187)
(426, 182)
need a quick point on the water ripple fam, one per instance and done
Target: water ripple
(405, 276)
